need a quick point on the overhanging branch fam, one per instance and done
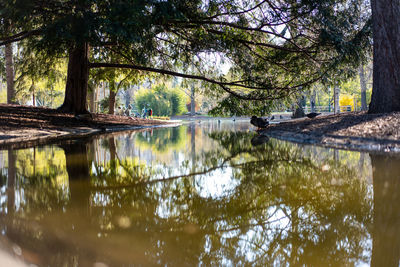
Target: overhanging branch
(224, 85)
(18, 37)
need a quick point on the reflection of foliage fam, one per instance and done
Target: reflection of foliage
(162, 139)
(298, 202)
(284, 208)
(42, 176)
(119, 172)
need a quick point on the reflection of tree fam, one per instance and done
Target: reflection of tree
(386, 231)
(296, 202)
(281, 209)
(11, 182)
(76, 161)
(162, 139)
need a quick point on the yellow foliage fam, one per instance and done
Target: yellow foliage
(3, 96)
(347, 100)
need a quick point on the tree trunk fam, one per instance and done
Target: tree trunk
(10, 74)
(111, 99)
(77, 81)
(363, 85)
(32, 89)
(299, 111)
(192, 102)
(312, 99)
(91, 96)
(336, 97)
(386, 62)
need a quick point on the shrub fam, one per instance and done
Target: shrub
(162, 100)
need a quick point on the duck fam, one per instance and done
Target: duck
(259, 122)
(312, 115)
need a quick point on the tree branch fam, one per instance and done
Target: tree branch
(18, 37)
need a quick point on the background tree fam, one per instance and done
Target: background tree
(363, 85)
(162, 100)
(38, 79)
(274, 49)
(10, 73)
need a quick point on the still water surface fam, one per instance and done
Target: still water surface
(209, 194)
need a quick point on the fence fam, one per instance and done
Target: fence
(307, 109)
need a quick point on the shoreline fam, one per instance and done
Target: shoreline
(355, 131)
(25, 126)
(33, 137)
(352, 143)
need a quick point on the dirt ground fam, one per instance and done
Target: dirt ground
(354, 130)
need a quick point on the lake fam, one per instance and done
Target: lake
(204, 193)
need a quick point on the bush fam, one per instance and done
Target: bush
(162, 100)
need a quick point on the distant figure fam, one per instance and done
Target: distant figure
(128, 111)
(144, 112)
(312, 115)
(151, 113)
(272, 118)
(259, 122)
(119, 111)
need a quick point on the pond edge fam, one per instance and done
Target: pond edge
(360, 144)
(44, 137)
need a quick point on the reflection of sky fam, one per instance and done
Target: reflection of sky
(218, 183)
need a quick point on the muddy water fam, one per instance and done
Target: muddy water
(210, 194)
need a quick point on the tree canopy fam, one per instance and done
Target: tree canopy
(273, 48)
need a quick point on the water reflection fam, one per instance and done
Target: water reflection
(200, 194)
(386, 230)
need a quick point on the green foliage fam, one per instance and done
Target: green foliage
(162, 100)
(39, 75)
(104, 104)
(320, 40)
(231, 106)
